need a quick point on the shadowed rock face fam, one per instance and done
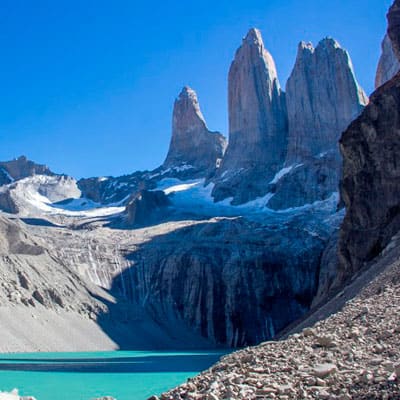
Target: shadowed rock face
(388, 65)
(313, 180)
(370, 186)
(323, 97)
(257, 123)
(229, 280)
(192, 144)
(146, 207)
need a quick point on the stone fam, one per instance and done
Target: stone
(192, 145)
(257, 124)
(112, 398)
(325, 341)
(324, 370)
(388, 65)
(397, 369)
(307, 332)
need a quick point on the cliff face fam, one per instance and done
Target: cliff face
(370, 186)
(146, 207)
(192, 145)
(388, 65)
(227, 283)
(323, 97)
(257, 123)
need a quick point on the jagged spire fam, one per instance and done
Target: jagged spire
(192, 144)
(323, 97)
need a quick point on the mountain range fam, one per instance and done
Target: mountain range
(229, 241)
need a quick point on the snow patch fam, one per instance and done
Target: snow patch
(284, 171)
(57, 195)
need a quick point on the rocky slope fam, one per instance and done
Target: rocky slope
(322, 97)
(257, 124)
(37, 287)
(352, 354)
(192, 145)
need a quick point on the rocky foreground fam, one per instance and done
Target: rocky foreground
(353, 354)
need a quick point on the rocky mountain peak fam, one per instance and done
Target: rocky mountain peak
(253, 37)
(192, 144)
(20, 168)
(323, 97)
(253, 50)
(257, 123)
(187, 115)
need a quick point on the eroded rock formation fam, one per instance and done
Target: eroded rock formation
(323, 97)
(192, 145)
(257, 124)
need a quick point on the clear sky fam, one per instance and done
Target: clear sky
(87, 86)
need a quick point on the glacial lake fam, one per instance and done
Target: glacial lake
(125, 375)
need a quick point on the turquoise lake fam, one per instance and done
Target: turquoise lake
(125, 375)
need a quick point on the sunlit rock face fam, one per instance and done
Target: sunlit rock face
(257, 123)
(322, 97)
(21, 168)
(192, 145)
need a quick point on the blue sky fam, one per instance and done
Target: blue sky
(87, 86)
